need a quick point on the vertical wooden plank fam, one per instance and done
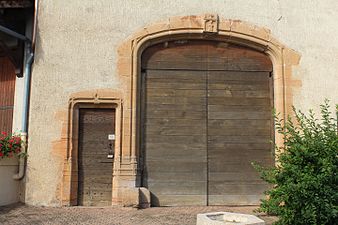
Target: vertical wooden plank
(7, 91)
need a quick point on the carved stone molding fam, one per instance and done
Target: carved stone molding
(87, 99)
(211, 23)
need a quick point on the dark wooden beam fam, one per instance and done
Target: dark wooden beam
(14, 56)
(15, 4)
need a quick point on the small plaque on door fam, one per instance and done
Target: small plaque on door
(110, 156)
(111, 137)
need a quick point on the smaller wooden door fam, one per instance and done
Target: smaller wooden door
(95, 156)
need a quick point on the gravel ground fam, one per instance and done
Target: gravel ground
(22, 214)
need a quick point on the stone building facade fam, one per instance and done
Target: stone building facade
(89, 54)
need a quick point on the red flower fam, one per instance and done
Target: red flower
(17, 140)
(10, 145)
(4, 133)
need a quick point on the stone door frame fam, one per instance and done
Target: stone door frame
(91, 99)
(207, 26)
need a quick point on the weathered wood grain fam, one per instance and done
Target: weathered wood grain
(7, 91)
(207, 114)
(95, 170)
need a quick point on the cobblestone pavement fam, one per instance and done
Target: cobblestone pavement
(22, 214)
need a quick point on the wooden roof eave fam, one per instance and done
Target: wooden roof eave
(15, 4)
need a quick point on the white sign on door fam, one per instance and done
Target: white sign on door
(111, 137)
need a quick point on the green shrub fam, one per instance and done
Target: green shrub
(304, 181)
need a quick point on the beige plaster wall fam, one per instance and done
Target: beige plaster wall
(77, 51)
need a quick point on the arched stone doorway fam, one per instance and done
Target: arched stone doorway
(206, 114)
(127, 168)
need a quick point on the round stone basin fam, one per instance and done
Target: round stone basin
(227, 218)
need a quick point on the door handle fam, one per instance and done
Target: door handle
(110, 150)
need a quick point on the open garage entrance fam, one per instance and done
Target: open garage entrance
(206, 114)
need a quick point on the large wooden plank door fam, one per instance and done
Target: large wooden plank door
(206, 115)
(239, 133)
(95, 169)
(175, 137)
(7, 91)
(239, 123)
